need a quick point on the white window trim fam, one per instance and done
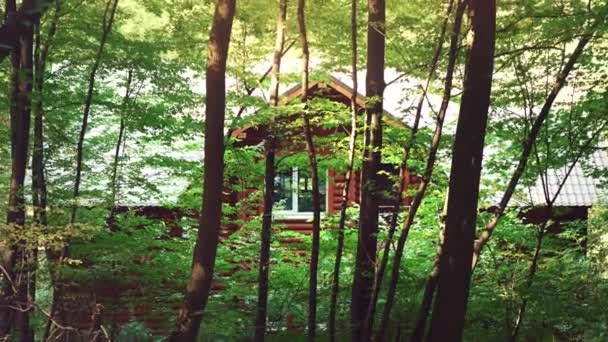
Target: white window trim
(294, 213)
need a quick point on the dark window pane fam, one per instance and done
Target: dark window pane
(305, 191)
(282, 198)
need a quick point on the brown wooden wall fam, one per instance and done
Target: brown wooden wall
(337, 182)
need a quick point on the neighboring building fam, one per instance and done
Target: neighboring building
(581, 190)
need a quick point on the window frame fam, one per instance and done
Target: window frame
(294, 213)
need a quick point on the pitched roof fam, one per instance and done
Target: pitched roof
(342, 88)
(580, 189)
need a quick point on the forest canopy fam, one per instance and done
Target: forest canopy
(335, 170)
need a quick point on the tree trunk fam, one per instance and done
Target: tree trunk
(428, 171)
(368, 218)
(7, 252)
(56, 315)
(447, 321)
(335, 285)
(266, 240)
(30, 11)
(15, 252)
(316, 197)
(529, 279)
(121, 133)
(548, 211)
(203, 261)
(427, 301)
(486, 234)
(403, 173)
(108, 20)
(269, 175)
(39, 190)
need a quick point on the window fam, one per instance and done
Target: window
(293, 193)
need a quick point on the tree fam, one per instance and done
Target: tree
(120, 141)
(335, 284)
(203, 259)
(314, 170)
(368, 219)
(30, 11)
(447, 322)
(14, 251)
(108, 20)
(560, 80)
(269, 175)
(522, 161)
(106, 29)
(431, 159)
(41, 52)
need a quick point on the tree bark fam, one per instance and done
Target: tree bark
(548, 211)
(558, 84)
(447, 321)
(428, 172)
(15, 252)
(269, 175)
(30, 11)
(316, 196)
(485, 236)
(203, 260)
(39, 188)
(403, 173)
(108, 20)
(121, 133)
(368, 217)
(39, 191)
(335, 285)
(7, 252)
(529, 279)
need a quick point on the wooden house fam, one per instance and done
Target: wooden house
(293, 205)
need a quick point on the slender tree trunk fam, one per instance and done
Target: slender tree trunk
(428, 171)
(16, 260)
(558, 84)
(335, 285)
(39, 190)
(269, 175)
(430, 286)
(403, 173)
(548, 211)
(121, 133)
(427, 302)
(485, 235)
(316, 197)
(39, 187)
(368, 218)
(108, 20)
(447, 321)
(203, 260)
(529, 279)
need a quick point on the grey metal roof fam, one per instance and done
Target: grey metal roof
(580, 189)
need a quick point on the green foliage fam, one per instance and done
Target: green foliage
(139, 270)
